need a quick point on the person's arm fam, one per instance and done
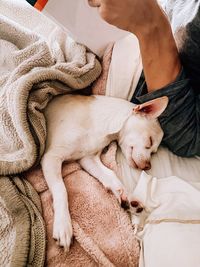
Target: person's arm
(159, 53)
(148, 22)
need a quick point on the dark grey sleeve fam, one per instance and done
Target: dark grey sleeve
(181, 119)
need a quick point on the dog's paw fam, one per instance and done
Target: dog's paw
(120, 194)
(136, 206)
(62, 231)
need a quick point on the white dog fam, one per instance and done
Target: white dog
(79, 127)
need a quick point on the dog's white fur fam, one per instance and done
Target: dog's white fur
(79, 127)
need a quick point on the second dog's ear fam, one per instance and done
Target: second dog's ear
(152, 109)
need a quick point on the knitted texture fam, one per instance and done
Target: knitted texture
(22, 231)
(33, 70)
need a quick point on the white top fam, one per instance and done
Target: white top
(84, 23)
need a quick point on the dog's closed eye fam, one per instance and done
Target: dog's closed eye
(150, 143)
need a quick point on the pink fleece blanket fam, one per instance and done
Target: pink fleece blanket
(103, 234)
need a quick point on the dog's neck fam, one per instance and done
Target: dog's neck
(119, 134)
(113, 116)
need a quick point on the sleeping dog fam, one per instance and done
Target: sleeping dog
(79, 128)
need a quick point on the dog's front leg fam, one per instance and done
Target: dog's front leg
(62, 226)
(93, 165)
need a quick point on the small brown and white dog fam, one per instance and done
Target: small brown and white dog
(79, 128)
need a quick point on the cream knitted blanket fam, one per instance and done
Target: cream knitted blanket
(22, 230)
(33, 70)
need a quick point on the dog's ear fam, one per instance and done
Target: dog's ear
(152, 109)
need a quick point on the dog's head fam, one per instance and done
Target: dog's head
(141, 134)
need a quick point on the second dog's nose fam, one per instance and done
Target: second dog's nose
(147, 166)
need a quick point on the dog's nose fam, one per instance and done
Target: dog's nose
(147, 166)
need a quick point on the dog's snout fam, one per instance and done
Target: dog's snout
(142, 165)
(147, 166)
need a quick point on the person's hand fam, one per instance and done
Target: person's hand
(131, 15)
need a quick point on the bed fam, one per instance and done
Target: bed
(167, 232)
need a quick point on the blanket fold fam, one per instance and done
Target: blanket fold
(22, 230)
(33, 70)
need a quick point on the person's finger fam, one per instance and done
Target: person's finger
(94, 3)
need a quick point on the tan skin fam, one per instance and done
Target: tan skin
(149, 23)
